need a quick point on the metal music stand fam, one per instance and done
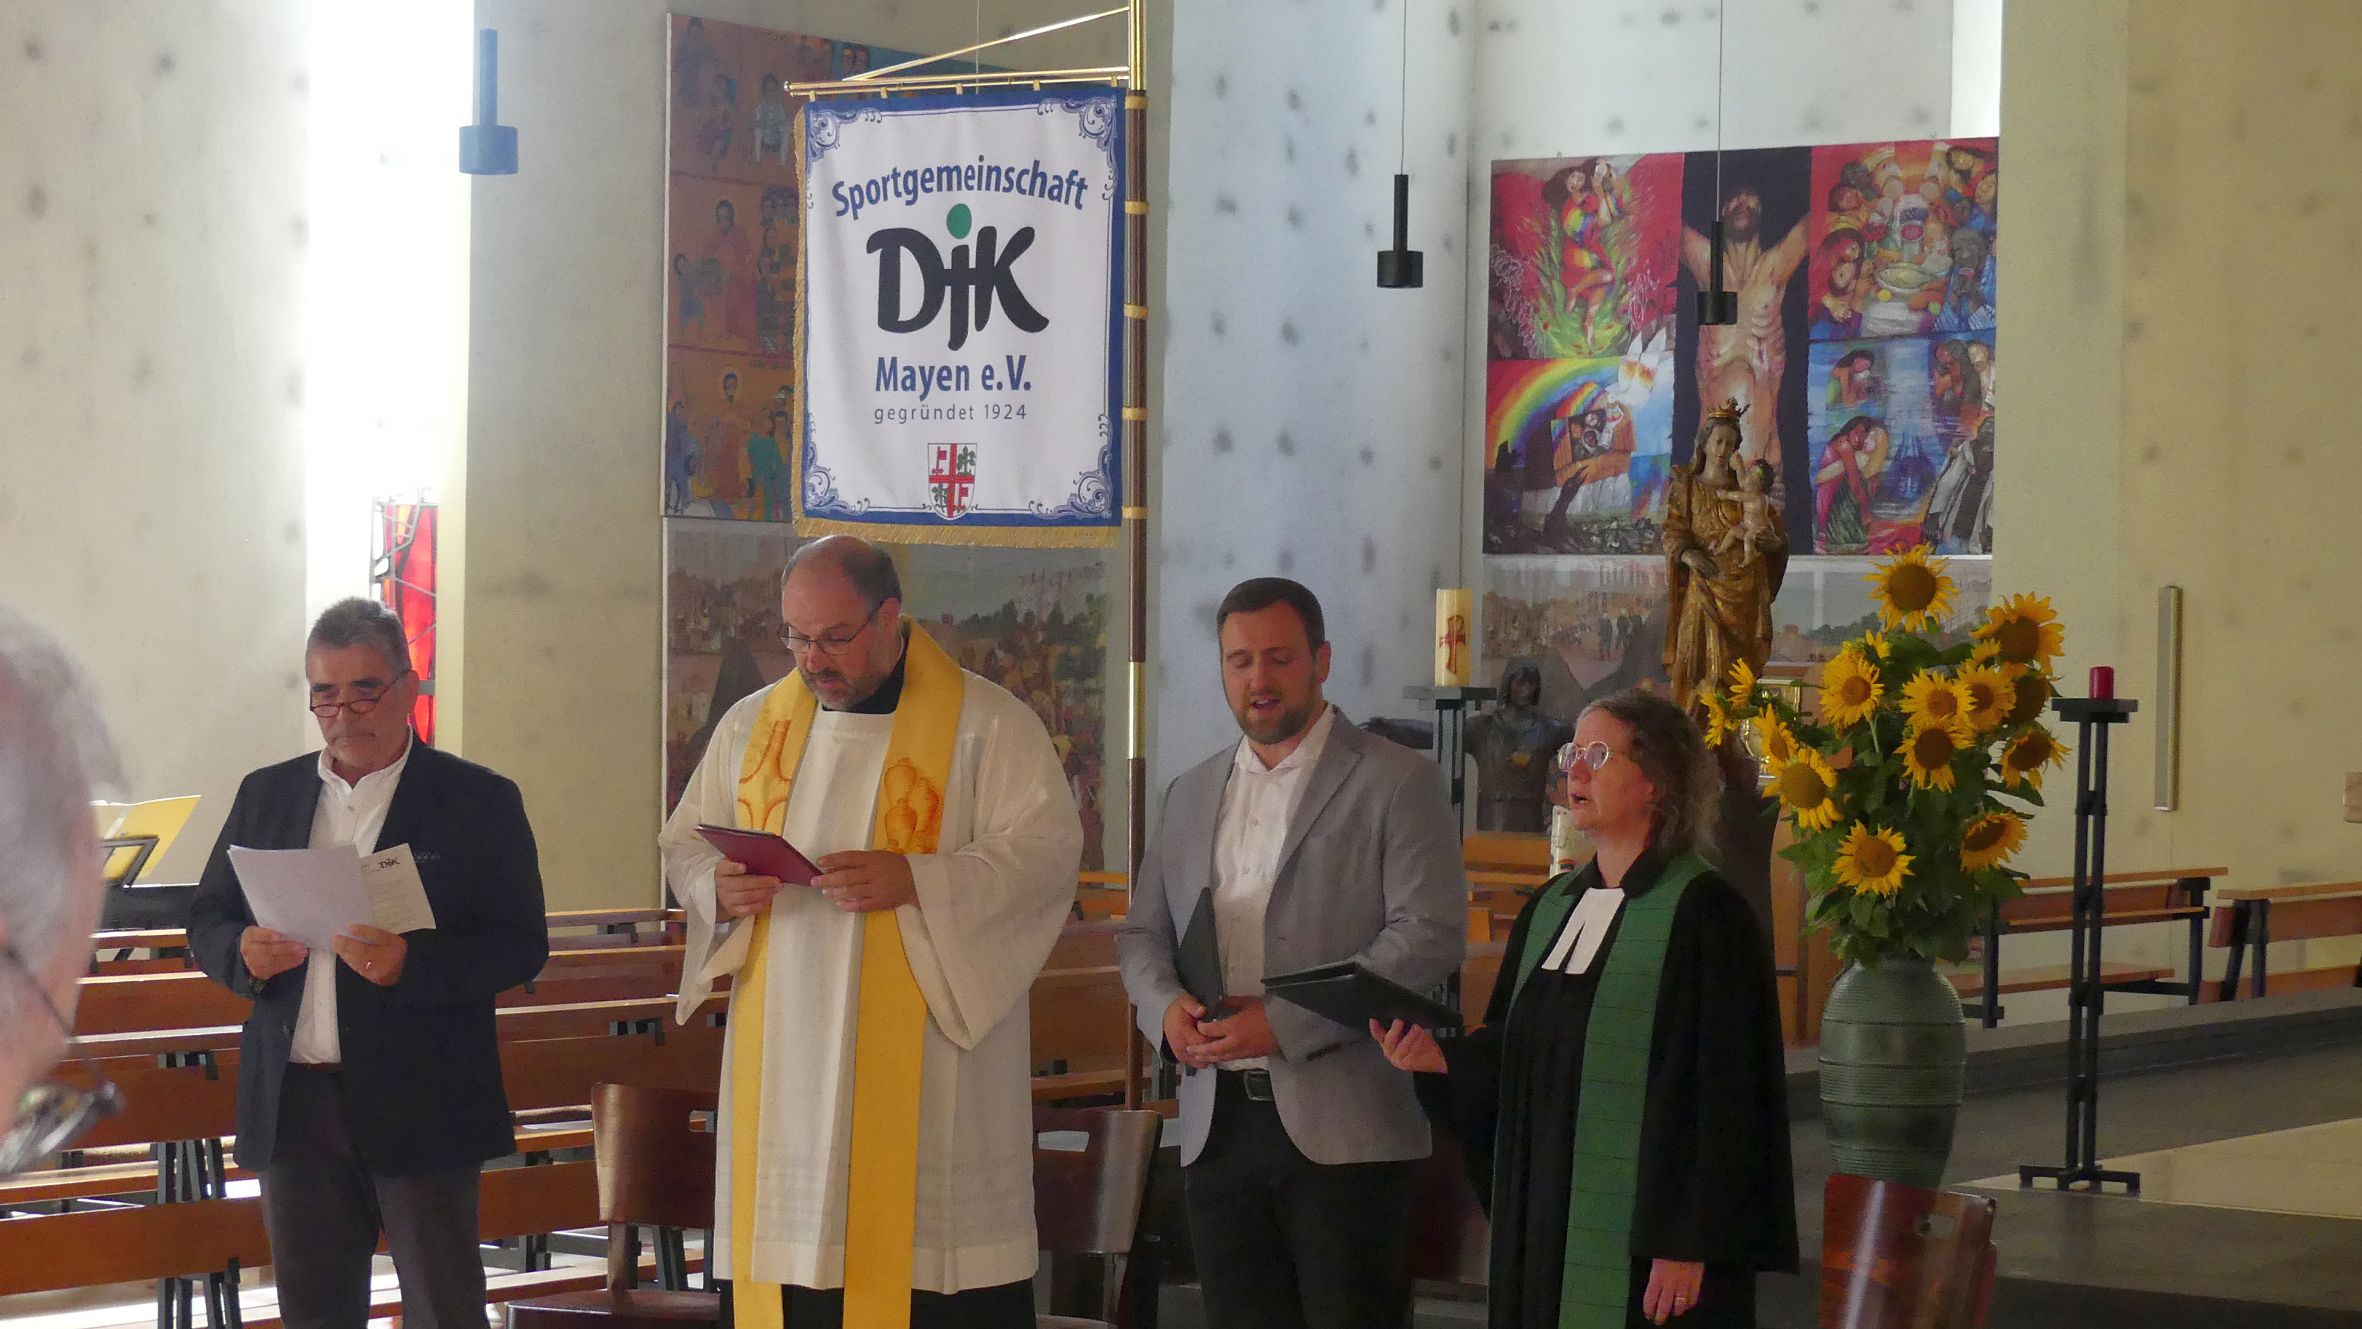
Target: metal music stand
(2093, 717)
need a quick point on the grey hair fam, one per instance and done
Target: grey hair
(1670, 751)
(53, 748)
(358, 622)
(868, 568)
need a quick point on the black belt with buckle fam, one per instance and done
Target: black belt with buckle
(1255, 1084)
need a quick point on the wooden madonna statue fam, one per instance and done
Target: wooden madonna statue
(1726, 552)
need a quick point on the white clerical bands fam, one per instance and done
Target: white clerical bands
(1578, 944)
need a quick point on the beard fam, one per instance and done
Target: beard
(1282, 726)
(1740, 225)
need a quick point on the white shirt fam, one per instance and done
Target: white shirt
(991, 900)
(1257, 805)
(351, 814)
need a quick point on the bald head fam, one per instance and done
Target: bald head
(862, 566)
(841, 602)
(53, 746)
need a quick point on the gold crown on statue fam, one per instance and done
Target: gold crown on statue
(1729, 410)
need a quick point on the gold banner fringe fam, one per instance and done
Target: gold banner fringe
(1007, 537)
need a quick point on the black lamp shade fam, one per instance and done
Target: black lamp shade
(1402, 267)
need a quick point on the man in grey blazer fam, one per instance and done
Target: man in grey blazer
(1307, 842)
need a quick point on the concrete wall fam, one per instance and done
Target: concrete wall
(1310, 421)
(152, 387)
(2187, 432)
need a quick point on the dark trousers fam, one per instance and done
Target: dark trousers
(1007, 1306)
(1283, 1242)
(324, 1210)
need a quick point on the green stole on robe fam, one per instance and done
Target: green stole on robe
(1595, 1289)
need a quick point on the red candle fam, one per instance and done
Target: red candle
(2103, 682)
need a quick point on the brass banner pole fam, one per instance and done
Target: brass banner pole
(1135, 446)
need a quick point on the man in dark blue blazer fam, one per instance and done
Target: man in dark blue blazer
(369, 1089)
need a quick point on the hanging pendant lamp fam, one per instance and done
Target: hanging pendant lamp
(1716, 306)
(488, 147)
(1402, 267)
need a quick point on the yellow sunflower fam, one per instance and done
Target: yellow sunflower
(1912, 591)
(1990, 840)
(1742, 686)
(1933, 701)
(1849, 689)
(2028, 755)
(1779, 742)
(1990, 696)
(1928, 754)
(1808, 789)
(1984, 652)
(1872, 860)
(1718, 724)
(2032, 690)
(2025, 630)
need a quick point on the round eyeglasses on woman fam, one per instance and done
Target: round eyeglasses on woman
(1590, 756)
(51, 1115)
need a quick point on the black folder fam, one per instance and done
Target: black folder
(1200, 961)
(1352, 994)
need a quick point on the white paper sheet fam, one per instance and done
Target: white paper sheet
(397, 898)
(316, 895)
(312, 895)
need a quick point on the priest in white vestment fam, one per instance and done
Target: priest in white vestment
(974, 918)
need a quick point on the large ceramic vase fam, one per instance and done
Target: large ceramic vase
(1893, 1051)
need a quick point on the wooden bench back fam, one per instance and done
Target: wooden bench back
(1080, 1018)
(565, 1072)
(1506, 851)
(604, 973)
(185, 1000)
(529, 1201)
(2301, 913)
(2049, 899)
(96, 1247)
(1086, 945)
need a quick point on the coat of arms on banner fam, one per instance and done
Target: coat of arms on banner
(963, 299)
(951, 478)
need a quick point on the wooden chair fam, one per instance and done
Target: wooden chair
(1088, 1202)
(202, 1239)
(655, 1169)
(1902, 1257)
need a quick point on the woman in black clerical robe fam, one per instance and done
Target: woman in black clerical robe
(1623, 1105)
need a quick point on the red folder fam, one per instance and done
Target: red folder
(761, 852)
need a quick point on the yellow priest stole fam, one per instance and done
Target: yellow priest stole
(889, 1036)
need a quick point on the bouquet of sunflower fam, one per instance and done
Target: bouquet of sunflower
(1910, 788)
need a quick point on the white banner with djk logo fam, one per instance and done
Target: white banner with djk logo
(962, 297)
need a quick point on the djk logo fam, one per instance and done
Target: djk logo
(972, 281)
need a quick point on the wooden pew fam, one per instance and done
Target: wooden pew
(2173, 895)
(1505, 862)
(570, 1020)
(187, 999)
(207, 1239)
(136, 1002)
(1082, 1032)
(2253, 917)
(607, 973)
